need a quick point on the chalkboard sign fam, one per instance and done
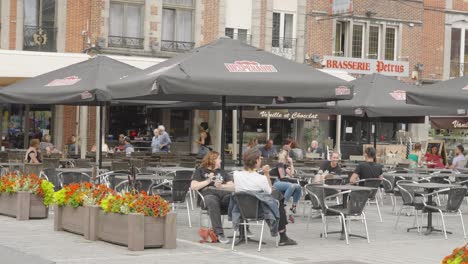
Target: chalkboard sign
(440, 147)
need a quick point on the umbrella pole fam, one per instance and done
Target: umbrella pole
(375, 135)
(241, 135)
(101, 117)
(223, 129)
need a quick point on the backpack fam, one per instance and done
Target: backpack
(207, 235)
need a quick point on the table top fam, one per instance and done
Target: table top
(419, 175)
(169, 169)
(84, 170)
(11, 164)
(430, 185)
(430, 170)
(346, 187)
(145, 177)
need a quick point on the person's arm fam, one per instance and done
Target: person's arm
(281, 171)
(202, 138)
(291, 167)
(266, 184)
(197, 185)
(354, 178)
(266, 172)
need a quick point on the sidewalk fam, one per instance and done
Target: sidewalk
(35, 242)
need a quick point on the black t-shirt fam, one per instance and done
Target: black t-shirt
(201, 174)
(275, 171)
(368, 170)
(326, 166)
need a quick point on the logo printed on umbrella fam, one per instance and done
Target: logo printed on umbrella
(399, 95)
(70, 80)
(249, 66)
(342, 90)
(86, 95)
(359, 111)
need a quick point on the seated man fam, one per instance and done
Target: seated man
(249, 180)
(367, 169)
(268, 151)
(216, 198)
(459, 161)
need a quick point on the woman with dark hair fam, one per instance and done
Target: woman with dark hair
(209, 174)
(32, 154)
(204, 141)
(367, 169)
(433, 159)
(296, 152)
(250, 180)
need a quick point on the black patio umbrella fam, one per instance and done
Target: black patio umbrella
(229, 71)
(452, 94)
(376, 98)
(82, 83)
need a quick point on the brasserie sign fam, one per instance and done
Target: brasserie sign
(367, 66)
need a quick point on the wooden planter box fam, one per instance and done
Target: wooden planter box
(23, 206)
(135, 231)
(74, 220)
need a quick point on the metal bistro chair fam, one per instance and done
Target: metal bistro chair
(373, 183)
(252, 213)
(355, 210)
(388, 183)
(72, 177)
(452, 208)
(409, 201)
(180, 187)
(316, 198)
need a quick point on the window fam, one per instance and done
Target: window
(459, 52)
(390, 45)
(126, 25)
(373, 52)
(276, 29)
(339, 39)
(237, 33)
(177, 25)
(39, 30)
(282, 34)
(358, 36)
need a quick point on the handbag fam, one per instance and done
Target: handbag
(207, 235)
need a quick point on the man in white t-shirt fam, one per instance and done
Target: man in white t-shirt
(250, 180)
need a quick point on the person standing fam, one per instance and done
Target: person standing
(165, 140)
(459, 161)
(212, 183)
(155, 142)
(368, 169)
(204, 141)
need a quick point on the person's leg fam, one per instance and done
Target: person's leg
(284, 187)
(283, 221)
(213, 204)
(297, 193)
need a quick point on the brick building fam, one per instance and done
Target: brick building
(428, 36)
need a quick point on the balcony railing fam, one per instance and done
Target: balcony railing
(458, 69)
(125, 42)
(40, 38)
(176, 46)
(284, 47)
(247, 39)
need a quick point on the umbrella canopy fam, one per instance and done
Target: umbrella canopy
(374, 96)
(81, 83)
(241, 73)
(450, 94)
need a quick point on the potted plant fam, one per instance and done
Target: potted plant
(458, 256)
(72, 206)
(136, 220)
(25, 196)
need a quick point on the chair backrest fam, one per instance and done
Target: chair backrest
(357, 201)
(50, 163)
(455, 198)
(249, 206)
(373, 183)
(183, 174)
(334, 181)
(388, 183)
(73, 177)
(316, 194)
(180, 187)
(82, 163)
(121, 186)
(406, 192)
(139, 163)
(119, 166)
(30, 168)
(438, 179)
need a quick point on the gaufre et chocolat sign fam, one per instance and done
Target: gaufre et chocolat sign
(367, 66)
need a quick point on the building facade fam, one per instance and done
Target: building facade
(428, 38)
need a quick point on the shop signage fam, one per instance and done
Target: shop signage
(70, 80)
(449, 123)
(367, 66)
(341, 6)
(288, 115)
(249, 66)
(399, 95)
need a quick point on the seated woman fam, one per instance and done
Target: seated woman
(250, 180)
(284, 169)
(32, 154)
(296, 152)
(207, 175)
(71, 144)
(47, 147)
(433, 159)
(416, 155)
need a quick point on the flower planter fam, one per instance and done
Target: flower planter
(133, 230)
(74, 220)
(23, 206)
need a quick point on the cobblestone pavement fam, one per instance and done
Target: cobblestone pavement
(36, 242)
